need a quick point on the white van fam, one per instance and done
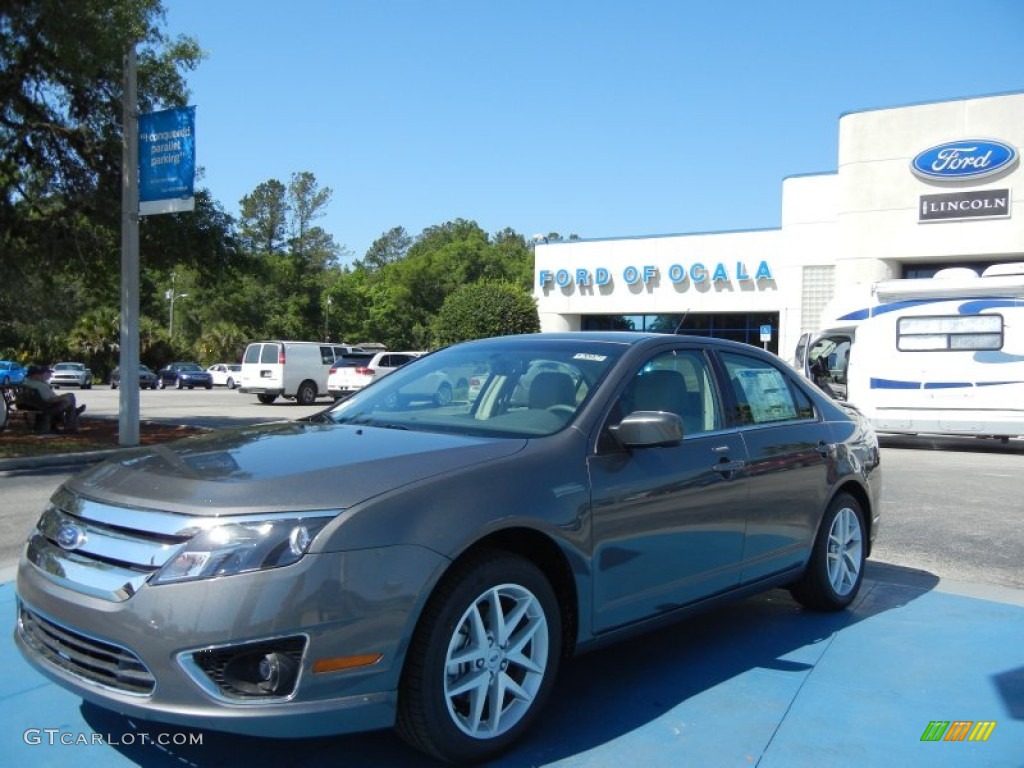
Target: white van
(293, 369)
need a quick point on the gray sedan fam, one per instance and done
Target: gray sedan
(426, 564)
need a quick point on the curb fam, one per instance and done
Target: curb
(61, 459)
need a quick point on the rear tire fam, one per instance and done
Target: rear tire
(482, 661)
(266, 399)
(444, 395)
(836, 568)
(306, 395)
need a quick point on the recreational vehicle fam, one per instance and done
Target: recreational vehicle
(940, 355)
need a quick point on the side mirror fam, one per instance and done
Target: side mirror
(647, 429)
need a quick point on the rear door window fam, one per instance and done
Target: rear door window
(764, 393)
(270, 354)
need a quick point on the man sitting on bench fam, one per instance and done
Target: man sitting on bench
(54, 409)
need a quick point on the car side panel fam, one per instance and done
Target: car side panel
(668, 526)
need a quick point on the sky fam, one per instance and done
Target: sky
(601, 119)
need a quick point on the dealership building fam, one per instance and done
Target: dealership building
(918, 189)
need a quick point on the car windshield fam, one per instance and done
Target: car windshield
(511, 387)
(189, 367)
(68, 367)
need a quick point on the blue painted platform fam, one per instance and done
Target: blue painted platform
(761, 683)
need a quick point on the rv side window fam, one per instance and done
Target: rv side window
(949, 333)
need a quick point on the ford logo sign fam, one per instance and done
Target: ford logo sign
(70, 537)
(965, 159)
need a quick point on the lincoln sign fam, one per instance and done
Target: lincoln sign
(955, 206)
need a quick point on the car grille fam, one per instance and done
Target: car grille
(91, 660)
(103, 550)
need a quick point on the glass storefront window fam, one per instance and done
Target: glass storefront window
(735, 326)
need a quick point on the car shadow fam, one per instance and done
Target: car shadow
(598, 697)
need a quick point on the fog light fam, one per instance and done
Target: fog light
(277, 673)
(254, 670)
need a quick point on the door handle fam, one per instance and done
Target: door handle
(726, 467)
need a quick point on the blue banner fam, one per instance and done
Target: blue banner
(167, 161)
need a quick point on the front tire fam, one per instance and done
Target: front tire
(482, 661)
(266, 399)
(836, 568)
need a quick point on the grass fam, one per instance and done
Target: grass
(94, 434)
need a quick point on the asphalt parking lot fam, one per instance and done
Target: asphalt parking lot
(934, 637)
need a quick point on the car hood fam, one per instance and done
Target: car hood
(284, 466)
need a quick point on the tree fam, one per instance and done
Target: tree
(484, 309)
(311, 246)
(60, 152)
(264, 217)
(390, 247)
(59, 126)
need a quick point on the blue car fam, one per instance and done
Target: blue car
(11, 373)
(182, 375)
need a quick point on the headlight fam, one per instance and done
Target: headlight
(240, 547)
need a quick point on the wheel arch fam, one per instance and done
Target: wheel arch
(857, 491)
(541, 550)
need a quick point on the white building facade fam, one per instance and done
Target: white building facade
(917, 189)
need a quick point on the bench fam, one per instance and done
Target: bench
(24, 404)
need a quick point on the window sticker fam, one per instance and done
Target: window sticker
(767, 395)
(591, 357)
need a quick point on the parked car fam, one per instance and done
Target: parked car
(147, 379)
(430, 566)
(352, 372)
(11, 372)
(183, 375)
(226, 374)
(71, 375)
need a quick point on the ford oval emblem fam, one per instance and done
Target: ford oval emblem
(965, 159)
(70, 537)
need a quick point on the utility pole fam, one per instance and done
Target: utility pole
(327, 317)
(172, 295)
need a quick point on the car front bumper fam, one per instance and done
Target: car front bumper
(344, 605)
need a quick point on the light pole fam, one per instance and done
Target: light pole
(171, 295)
(327, 318)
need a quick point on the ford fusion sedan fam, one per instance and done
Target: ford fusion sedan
(428, 563)
(184, 376)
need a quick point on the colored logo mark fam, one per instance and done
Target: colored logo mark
(967, 159)
(958, 730)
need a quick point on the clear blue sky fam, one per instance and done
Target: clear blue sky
(604, 119)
